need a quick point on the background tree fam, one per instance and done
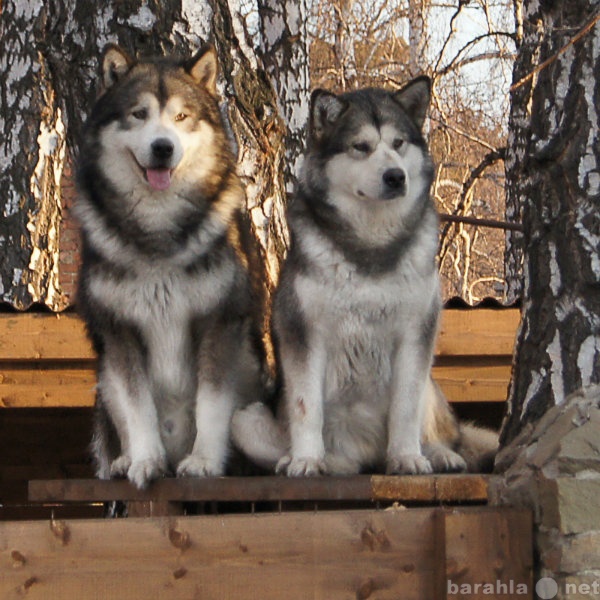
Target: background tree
(283, 45)
(554, 178)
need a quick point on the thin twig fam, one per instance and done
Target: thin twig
(492, 223)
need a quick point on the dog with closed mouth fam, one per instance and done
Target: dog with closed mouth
(356, 310)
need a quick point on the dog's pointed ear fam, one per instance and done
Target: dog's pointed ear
(325, 109)
(414, 98)
(203, 67)
(116, 63)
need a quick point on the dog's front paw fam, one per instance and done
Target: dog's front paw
(304, 466)
(408, 464)
(142, 472)
(199, 466)
(120, 466)
(445, 460)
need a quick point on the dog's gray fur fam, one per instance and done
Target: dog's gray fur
(356, 311)
(164, 293)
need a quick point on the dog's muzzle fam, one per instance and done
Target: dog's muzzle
(394, 183)
(162, 151)
(159, 174)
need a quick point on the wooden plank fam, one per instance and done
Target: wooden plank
(67, 385)
(473, 382)
(489, 548)
(62, 372)
(478, 332)
(324, 556)
(72, 387)
(43, 336)
(408, 488)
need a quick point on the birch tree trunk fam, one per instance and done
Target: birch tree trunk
(32, 150)
(417, 42)
(518, 138)
(554, 171)
(284, 52)
(48, 71)
(344, 44)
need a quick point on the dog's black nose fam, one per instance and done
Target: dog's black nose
(394, 179)
(162, 149)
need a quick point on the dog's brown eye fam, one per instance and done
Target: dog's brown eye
(397, 143)
(140, 114)
(180, 117)
(362, 147)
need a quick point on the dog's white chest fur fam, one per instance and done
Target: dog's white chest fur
(359, 319)
(160, 301)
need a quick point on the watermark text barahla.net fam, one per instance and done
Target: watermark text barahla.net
(545, 589)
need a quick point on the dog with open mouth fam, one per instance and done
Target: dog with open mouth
(163, 288)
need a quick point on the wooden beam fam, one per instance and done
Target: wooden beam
(43, 336)
(47, 361)
(473, 382)
(326, 555)
(407, 488)
(30, 386)
(478, 332)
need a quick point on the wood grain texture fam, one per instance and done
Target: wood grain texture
(404, 488)
(327, 555)
(46, 360)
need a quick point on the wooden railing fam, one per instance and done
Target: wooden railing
(46, 360)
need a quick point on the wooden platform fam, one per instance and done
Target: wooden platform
(412, 554)
(46, 359)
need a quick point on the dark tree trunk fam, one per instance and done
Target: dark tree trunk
(554, 176)
(518, 139)
(48, 72)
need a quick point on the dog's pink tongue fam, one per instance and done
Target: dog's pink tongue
(159, 179)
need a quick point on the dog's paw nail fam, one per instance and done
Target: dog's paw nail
(199, 466)
(447, 461)
(409, 464)
(120, 466)
(282, 465)
(305, 467)
(142, 472)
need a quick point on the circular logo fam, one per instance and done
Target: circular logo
(546, 588)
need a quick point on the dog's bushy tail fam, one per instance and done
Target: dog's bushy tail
(478, 446)
(258, 435)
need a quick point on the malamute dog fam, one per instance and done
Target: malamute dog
(356, 311)
(165, 296)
